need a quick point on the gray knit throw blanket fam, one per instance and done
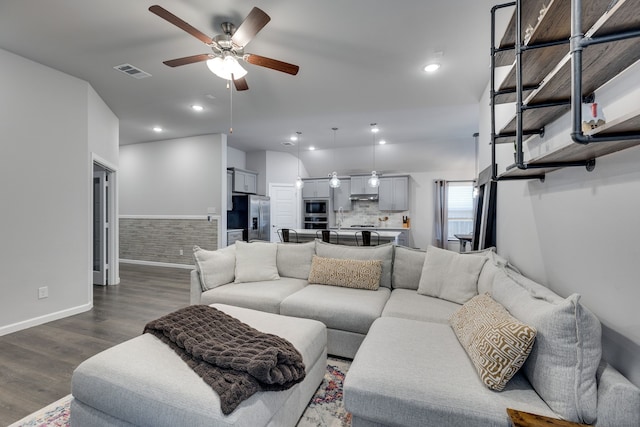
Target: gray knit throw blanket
(233, 358)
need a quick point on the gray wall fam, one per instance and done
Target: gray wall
(577, 232)
(165, 188)
(51, 122)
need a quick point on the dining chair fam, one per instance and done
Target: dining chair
(286, 234)
(326, 236)
(366, 237)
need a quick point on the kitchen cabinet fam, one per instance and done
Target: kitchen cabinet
(341, 196)
(233, 236)
(359, 185)
(229, 190)
(244, 181)
(393, 193)
(316, 189)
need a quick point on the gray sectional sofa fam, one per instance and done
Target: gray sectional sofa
(410, 366)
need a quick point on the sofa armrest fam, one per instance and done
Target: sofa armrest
(196, 288)
(618, 398)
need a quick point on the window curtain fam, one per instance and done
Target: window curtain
(440, 229)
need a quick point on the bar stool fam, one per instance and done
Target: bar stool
(326, 235)
(366, 237)
(285, 235)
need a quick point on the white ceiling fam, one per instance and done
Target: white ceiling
(360, 62)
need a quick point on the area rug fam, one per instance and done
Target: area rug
(325, 409)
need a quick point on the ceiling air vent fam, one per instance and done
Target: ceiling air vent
(132, 71)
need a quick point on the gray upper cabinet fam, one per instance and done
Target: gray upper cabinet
(359, 185)
(229, 190)
(245, 181)
(316, 189)
(393, 193)
(341, 196)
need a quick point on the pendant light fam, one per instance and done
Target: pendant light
(334, 182)
(299, 181)
(374, 180)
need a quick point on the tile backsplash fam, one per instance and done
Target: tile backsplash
(367, 213)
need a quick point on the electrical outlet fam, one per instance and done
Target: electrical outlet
(181, 252)
(43, 292)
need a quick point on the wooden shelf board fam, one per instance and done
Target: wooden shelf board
(628, 123)
(537, 118)
(555, 26)
(525, 173)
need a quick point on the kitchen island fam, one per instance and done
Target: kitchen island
(347, 236)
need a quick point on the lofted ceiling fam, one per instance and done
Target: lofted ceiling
(360, 62)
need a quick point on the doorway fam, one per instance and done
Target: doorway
(103, 226)
(285, 208)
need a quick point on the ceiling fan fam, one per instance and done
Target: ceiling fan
(227, 48)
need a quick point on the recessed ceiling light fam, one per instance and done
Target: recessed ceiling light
(157, 129)
(294, 138)
(197, 107)
(374, 128)
(430, 68)
(382, 142)
(311, 148)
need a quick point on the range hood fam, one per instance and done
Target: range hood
(364, 197)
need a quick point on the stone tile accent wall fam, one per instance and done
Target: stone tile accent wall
(161, 239)
(368, 213)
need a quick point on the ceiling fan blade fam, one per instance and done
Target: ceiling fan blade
(187, 60)
(251, 25)
(240, 84)
(170, 17)
(274, 64)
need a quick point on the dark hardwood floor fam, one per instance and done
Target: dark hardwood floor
(36, 364)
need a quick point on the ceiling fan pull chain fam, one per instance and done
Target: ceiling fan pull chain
(230, 105)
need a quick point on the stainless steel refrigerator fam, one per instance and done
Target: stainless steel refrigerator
(252, 214)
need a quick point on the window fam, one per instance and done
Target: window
(459, 208)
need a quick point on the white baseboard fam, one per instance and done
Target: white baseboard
(15, 327)
(157, 264)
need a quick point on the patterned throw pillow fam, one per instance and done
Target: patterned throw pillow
(348, 273)
(497, 343)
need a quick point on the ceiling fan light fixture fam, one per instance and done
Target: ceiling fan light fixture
(299, 183)
(225, 68)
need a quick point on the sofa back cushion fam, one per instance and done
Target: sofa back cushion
(348, 273)
(450, 275)
(383, 253)
(256, 262)
(294, 259)
(215, 267)
(563, 362)
(407, 267)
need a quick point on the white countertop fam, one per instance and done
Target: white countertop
(371, 228)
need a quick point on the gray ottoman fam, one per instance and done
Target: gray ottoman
(142, 382)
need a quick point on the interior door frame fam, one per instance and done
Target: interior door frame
(112, 252)
(298, 208)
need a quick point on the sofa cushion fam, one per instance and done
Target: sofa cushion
(294, 259)
(381, 252)
(494, 264)
(450, 275)
(563, 362)
(407, 267)
(346, 309)
(348, 273)
(263, 296)
(408, 304)
(497, 343)
(256, 261)
(414, 373)
(215, 267)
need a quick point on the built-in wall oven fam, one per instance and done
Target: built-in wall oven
(316, 216)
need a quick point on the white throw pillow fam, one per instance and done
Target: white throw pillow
(449, 275)
(256, 261)
(215, 267)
